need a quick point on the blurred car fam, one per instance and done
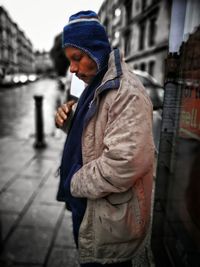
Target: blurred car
(156, 94)
(32, 77)
(7, 80)
(20, 78)
(17, 79)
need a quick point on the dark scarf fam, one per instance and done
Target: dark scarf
(72, 154)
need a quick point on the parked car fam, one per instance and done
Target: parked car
(156, 93)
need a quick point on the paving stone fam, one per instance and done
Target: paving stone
(54, 147)
(17, 163)
(63, 257)
(6, 175)
(18, 194)
(55, 154)
(15, 158)
(7, 221)
(27, 245)
(53, 179)
(9, 146)
(65, 235)
(14, 201)
(47, 195)
(42, 216)
(26, 183)
(37, 167)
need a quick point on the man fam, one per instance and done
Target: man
(107, 165)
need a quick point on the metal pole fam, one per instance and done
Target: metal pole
(39, 133)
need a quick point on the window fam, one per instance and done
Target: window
(141, 36)
(151, 67)
(143, 66)
(152, 31)
(117, 12)
(127, 42)
(106, 24)
(116, 34)
(144, 2)
(128, 8)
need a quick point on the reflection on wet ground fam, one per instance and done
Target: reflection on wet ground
(17, 108)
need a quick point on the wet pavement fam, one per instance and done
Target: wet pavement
(35, 229)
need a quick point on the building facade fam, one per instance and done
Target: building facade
(16, 50)
(140, 28)
(43, 62)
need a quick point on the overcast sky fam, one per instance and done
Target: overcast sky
(42, 20)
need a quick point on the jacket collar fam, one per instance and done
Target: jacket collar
(114, 66)
(111, 78)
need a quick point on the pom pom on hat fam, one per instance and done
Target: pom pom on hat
(84, 31)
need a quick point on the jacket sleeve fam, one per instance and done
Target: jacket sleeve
(128, 150)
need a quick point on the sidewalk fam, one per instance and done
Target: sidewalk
(35, 229)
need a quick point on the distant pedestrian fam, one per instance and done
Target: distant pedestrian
(107, 165)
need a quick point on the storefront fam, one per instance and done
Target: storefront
(176, 220)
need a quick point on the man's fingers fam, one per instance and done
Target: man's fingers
(71, 103)
(64, 108)
(59, 121)
(62, 112)
(68, 106)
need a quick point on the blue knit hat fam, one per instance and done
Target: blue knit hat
(84, 31)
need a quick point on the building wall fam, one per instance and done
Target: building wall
(16, 51)
(140, 28)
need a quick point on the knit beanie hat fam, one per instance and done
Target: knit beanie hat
(84, 31)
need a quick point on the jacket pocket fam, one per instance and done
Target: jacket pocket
(117, 199)
(119, 219)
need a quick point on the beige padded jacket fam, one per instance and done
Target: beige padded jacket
(117, 171)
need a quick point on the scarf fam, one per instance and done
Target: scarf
(72, 154)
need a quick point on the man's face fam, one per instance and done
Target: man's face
(81, 64)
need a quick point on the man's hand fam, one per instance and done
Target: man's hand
(63, 113)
